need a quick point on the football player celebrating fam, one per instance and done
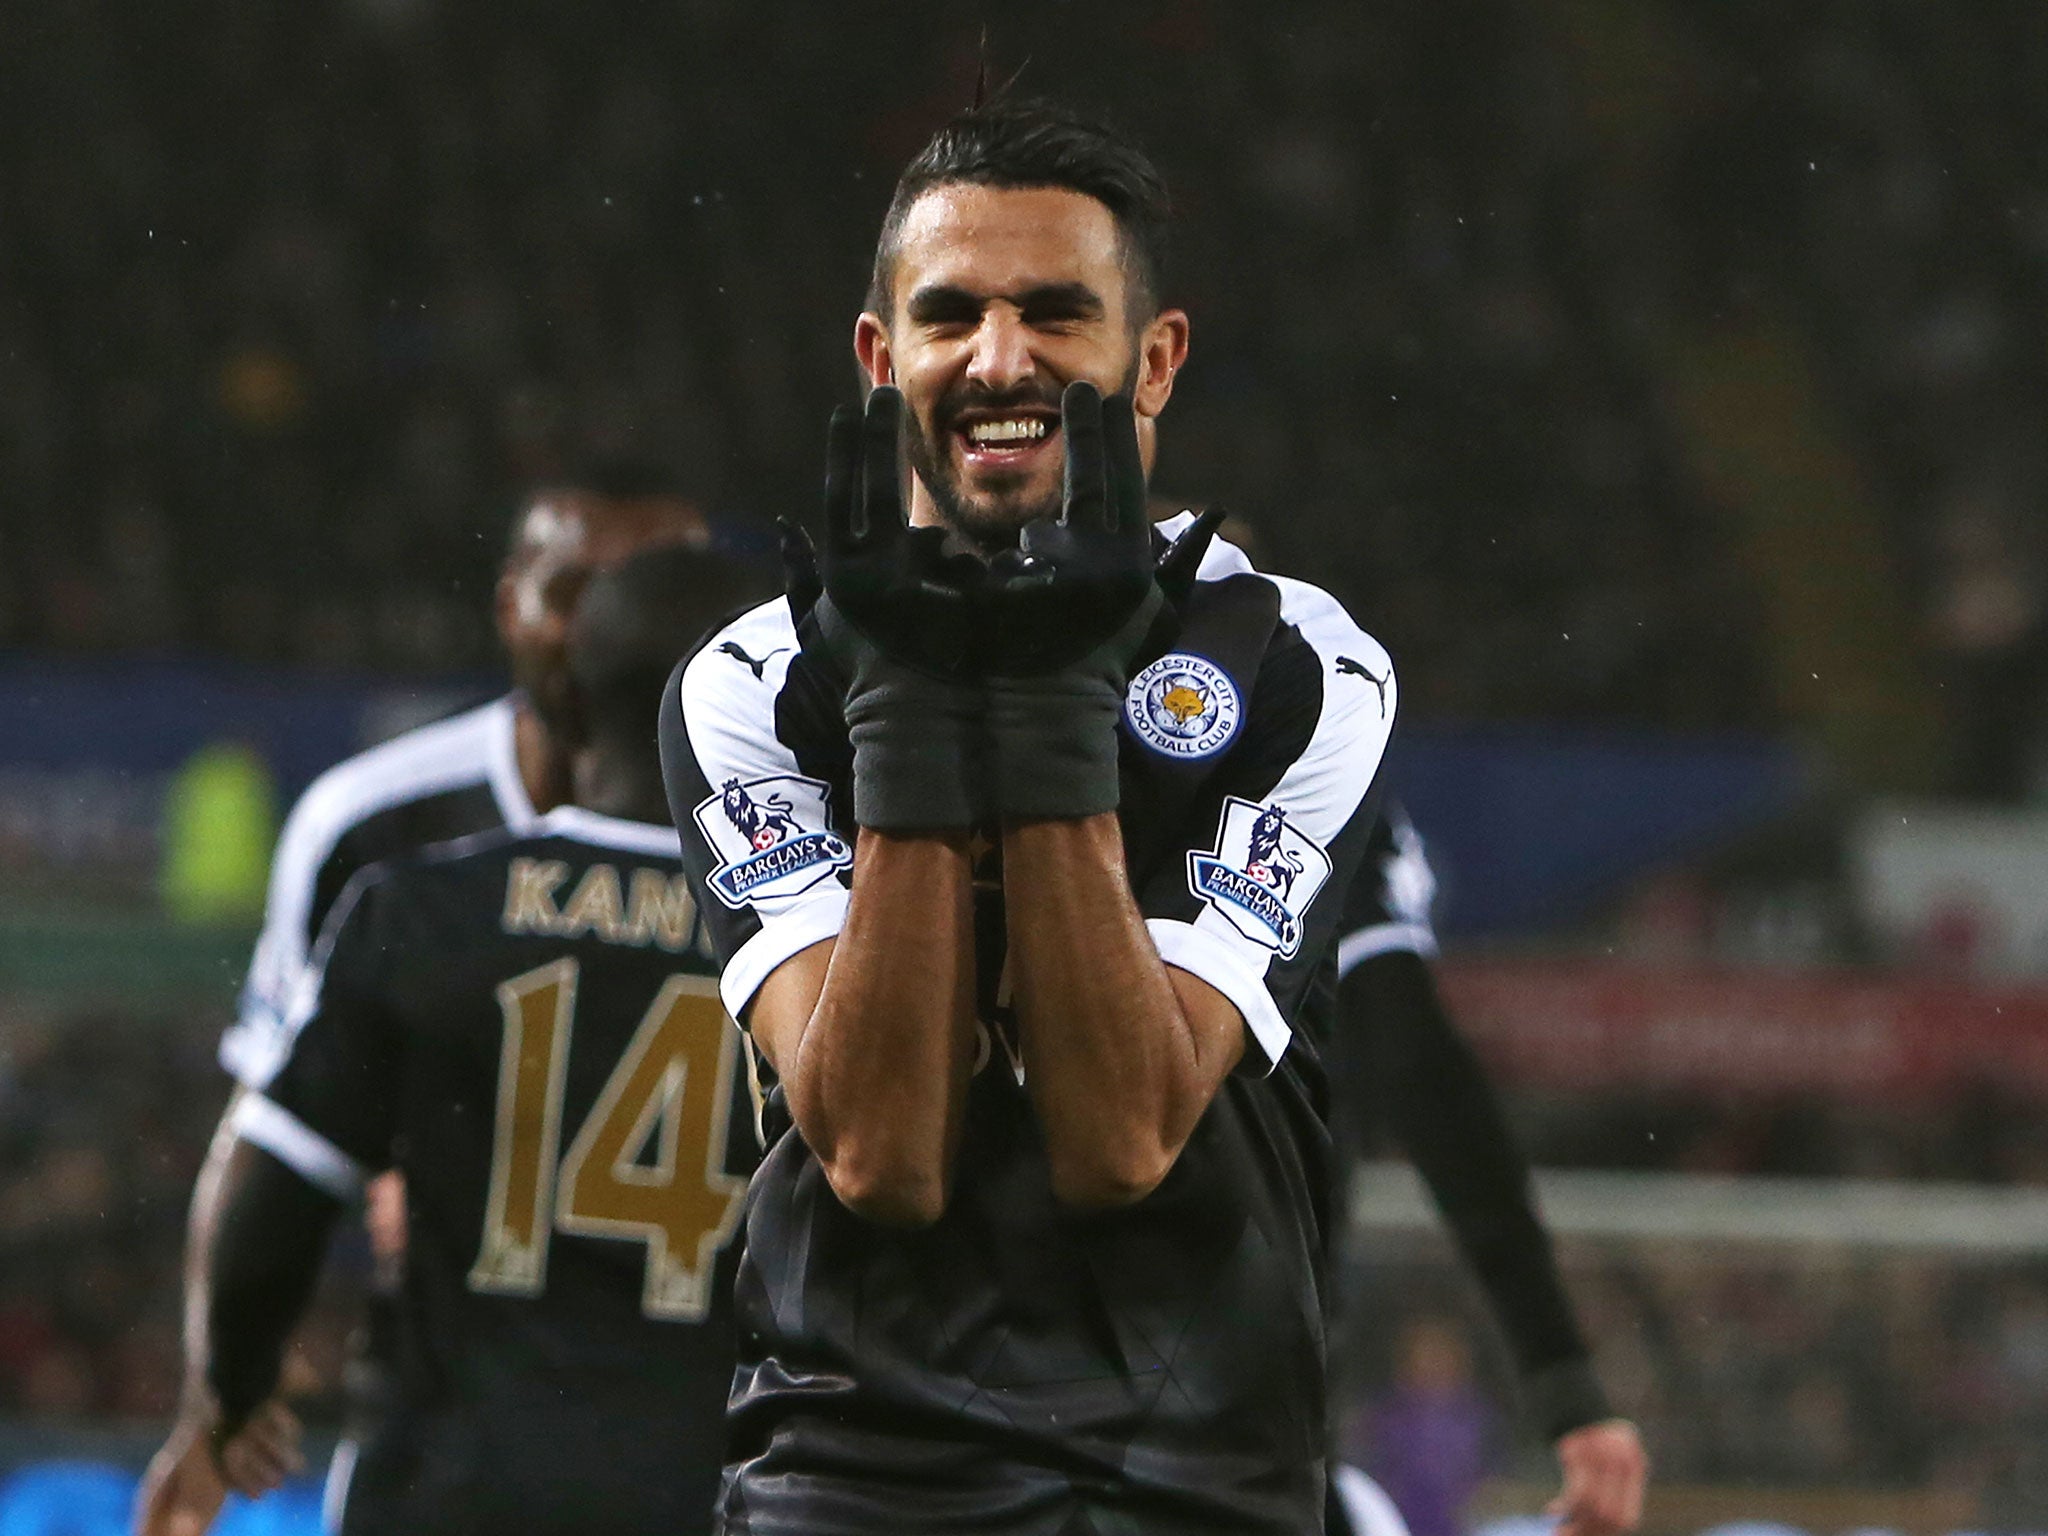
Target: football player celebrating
(1019, 850)
(525, 1022)
(502, 764)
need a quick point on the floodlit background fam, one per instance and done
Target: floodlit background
(1665, 384)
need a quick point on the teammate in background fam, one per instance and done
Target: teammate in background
(1396, 1058)
(1021, 832)
(502, 764)
(526, 1022)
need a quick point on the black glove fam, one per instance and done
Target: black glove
(894, 619)
(1069, 610)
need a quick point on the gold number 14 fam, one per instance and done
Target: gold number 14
(672, 1086)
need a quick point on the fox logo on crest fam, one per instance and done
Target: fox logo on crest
(1183, 706)
(1184, 702)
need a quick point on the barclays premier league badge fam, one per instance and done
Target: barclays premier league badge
(1183, 705)
(772, 839)
(1262, 875)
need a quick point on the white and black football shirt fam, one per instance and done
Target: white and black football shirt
(1389, 906)
(1019, 1366)
(440, 781)
(527, 1024)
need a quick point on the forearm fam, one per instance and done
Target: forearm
(1119, 1066)
(202, 1221)
(876, 1076)
(263, 1261)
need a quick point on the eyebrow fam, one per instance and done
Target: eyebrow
(944, 301)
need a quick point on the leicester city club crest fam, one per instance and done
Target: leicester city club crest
(772, 836)
(1183, 705)
(1262, 876)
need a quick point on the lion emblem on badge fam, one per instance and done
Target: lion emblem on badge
(1269, 861)
(773, 837)
(1262, 876)
(763, 825)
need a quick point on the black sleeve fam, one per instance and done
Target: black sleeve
(266, 1257)
(1250, 885)
(338, 1089)
(1401, 1054)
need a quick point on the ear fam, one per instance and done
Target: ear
(871, 348)
(1161, 350)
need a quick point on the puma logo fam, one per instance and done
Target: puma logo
(1346, 667)
(732, 648)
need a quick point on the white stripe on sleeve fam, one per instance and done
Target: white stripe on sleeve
(1187, 948)
(1354, 949)
(286, 1137)
(796, 929)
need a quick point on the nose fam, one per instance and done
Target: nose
(1001, 355)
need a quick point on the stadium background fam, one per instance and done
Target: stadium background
(1663, 384)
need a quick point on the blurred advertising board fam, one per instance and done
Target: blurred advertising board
(90, 751)
(1529, 827)
(1583, 1026)
(1963, 886)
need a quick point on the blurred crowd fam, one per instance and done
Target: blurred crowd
(104, 1119)
(294, 297)
(1771, 1366)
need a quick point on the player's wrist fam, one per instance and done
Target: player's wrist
(1565, 1396)
(1054, 733)
(1053, 746)
(917, 751)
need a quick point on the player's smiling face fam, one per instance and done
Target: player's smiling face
(1001, 297)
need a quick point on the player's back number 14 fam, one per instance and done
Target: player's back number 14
(672, 1087)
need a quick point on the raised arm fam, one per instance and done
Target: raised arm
(1121, 1053)
(872, 1036)
(1132, 1013)
(859, 992)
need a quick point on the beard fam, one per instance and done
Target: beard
(991, 515)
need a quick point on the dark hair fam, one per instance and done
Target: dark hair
(606, 477)
(1031, 142)
(634, 620)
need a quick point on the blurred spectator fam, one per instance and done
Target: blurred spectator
(1430, 1437)
(220, 820)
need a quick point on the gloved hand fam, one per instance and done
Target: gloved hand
(894, 620)
(1069, 611)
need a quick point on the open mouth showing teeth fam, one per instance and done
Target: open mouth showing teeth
(1009, 429)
